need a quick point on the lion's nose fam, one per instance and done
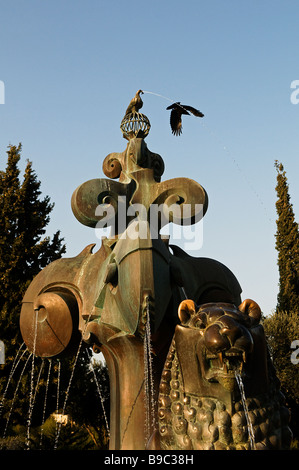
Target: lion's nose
(226, 334)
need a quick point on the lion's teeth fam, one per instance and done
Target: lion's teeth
(220, 358)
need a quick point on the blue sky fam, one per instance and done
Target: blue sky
(70, 69)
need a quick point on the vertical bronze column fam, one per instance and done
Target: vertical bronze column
(113, 296)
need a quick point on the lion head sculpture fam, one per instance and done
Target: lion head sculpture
(200, 403)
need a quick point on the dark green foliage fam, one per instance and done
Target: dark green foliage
(86, 428)
(287, 245)
(72, 437)
(12, 443)
(281, 329)
(24, 250)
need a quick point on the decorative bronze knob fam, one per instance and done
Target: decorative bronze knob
(49, 325)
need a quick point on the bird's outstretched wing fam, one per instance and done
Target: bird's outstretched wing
(181, 109)
(194, 111)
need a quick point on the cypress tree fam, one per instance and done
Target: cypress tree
(287, 245)
(24, 252)
(24, 248)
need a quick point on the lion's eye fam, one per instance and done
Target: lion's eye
(199, 324)
(200, 321)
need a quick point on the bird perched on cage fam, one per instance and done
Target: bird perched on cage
(136, 103)
(177, 109)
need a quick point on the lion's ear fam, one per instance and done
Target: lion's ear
(252, 309)
(186, 309)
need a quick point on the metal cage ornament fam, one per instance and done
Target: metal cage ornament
(135, 125)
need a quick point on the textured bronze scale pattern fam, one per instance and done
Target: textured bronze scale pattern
(189, 422)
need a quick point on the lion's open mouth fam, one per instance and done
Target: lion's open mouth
(222, 367)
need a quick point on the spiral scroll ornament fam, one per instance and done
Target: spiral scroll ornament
(112, 166)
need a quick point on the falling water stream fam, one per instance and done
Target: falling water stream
(31, 397)
(34, 386)
(147, 384)
(248, 420)
(45, 403)
(57, 394)
(70, 382)
(146, 388)
(58, 430)
(13, 369)
(38, 380)
(15, 394)
(148, 378)
(99, 392)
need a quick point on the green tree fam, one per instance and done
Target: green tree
(24, 252)
(287, 245)
(281, 329)
(24, 248)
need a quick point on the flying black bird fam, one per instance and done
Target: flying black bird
(177, 109)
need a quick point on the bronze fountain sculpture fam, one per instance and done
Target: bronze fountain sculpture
(172, 328)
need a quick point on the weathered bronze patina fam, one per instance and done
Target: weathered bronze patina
(199, 406)
(123, 300)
